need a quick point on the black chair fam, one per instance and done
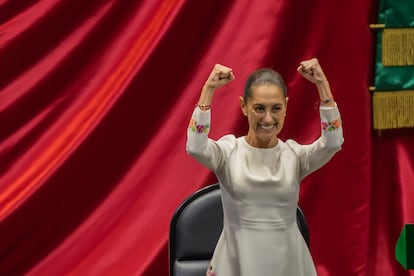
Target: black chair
(195, 229)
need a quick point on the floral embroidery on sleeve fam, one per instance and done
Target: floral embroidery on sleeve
(331, 126)
(199, 128)
(210, 271)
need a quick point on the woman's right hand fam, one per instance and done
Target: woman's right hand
(219, 76)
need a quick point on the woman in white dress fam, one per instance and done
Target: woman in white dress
(259, 174)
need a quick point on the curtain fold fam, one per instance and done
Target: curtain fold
(95, 102)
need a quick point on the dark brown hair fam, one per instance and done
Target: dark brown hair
(264, 76)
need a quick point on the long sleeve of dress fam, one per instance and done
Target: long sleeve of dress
(205, 150)
(317, 154)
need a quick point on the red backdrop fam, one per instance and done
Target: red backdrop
(94, 104)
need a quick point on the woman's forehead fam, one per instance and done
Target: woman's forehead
(267, 93)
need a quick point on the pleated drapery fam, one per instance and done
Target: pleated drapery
(95, 99)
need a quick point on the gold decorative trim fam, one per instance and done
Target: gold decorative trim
(394, 109)
(377, 26)
(398, 47)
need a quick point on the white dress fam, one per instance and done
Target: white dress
(260, 192)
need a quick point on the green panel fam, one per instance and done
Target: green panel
(404, 249)
(393, 13)
(396, 13)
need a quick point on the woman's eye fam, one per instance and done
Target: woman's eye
(276, 108)
(258, 109)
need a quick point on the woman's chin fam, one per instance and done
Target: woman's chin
(268, 136)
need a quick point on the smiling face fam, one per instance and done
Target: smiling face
(265, 110)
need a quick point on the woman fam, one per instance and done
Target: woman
(259, 174)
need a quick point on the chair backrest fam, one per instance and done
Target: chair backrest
(195, 229)
(303, 226)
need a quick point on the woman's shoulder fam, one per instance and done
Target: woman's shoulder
(300, 149)
(294, 145)
(228, 140)
(291, 143)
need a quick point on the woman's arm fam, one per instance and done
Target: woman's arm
(322, 150)
(198, 144)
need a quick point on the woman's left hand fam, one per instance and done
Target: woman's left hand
(311, 70)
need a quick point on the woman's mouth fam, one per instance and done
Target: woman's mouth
(267, 127)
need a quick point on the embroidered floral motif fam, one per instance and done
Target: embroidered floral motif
(331, 126)
(199, 128)
(210, 271)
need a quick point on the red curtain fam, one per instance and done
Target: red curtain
(94, 105)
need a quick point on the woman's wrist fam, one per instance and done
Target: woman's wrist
(327, 102)
(325, 95)
(203, 107)
(205, 98)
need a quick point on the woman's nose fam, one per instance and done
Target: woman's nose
(268, 118)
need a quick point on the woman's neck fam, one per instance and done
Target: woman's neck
(260, 143)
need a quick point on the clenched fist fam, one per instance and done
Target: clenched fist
(219, 76)
(311, 70)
